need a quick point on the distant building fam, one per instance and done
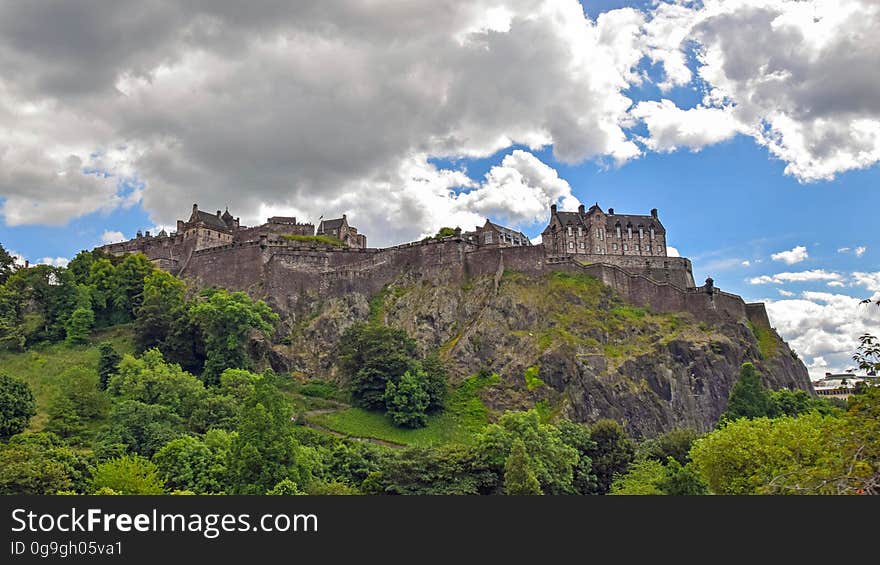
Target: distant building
(341, 230)
(594, 232)
(495, 235)
(841, 385)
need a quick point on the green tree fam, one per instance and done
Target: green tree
(128, 286)
(372, 355)
(674, 443)
(444, 470)
(285, 487)
(108, 363)
(79, 325)
(444, 232)
(681, 480)
(162, 307)
(613, 453)
(759, 455)
(149, 379)
(748, 397)
(552, 461)
(39, 464)
(641, 478)
(17, 406)
(265, 450)
(407, 401)
(7, 265)
(189, 463)
(130, 474)
(142, 428)
(579, 438)
(76, 401)
(519, 478)
(796, 402)
(436, 380)
(227, 320)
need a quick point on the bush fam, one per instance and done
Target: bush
(17, 406)
(407, 401)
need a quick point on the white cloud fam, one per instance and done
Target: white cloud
(824, 328)
(671, 128)
(746, 263)
(860, 250)
(799, 276)
(836, 284)
(792, 256)
(112, 237)
(672, 251)
(843, 249)
(870, 281)
(786, 293)
(799, 76)
(316, 107)
(54, 261)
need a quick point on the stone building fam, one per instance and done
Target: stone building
(495, 235)
(595, 232)
(341, 230)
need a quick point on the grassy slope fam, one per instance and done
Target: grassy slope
(464, 416)
(42, 365)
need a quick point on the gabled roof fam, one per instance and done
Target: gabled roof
(635, 220)
(333, 224)
(509, 232)
(211, 220)
(570, 218)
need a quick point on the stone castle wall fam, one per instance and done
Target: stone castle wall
(283, 271)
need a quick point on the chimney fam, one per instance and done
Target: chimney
(27, 264)
(218, 213)
(610, 211)
(553, 208)
(343, 216)
(457, 231)
(195, 208)
(654, 213)
(139, 234)
(582, 209)
(148, 233)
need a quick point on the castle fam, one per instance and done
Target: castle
(283, 259)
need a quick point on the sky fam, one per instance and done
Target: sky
(752, 126)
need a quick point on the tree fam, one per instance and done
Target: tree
(796, 402)
(227, 319)
(149, 379)
(76, 400)
(681, 480)
(142, 428)
(79, 325)
(39, 464)
(17, 406)
(613, 453)
(444, 470)
(265, 450)
(285, 487)
(552, 461)
(189, 463)
(519, 478)
(578, 437)
(130, 474)
(435, 382)
(674, 443)
(108, 363)
(372, 355)
(759, 455)
(641, 478)
(444, 232)
(128, 285)
(7, 265)
(163, 305)
(407, 401)
(748, 397)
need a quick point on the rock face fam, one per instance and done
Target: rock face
(589, 354)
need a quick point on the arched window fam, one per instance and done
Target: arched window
(652, 232)
(617, 227)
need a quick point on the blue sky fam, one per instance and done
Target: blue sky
(631, 104)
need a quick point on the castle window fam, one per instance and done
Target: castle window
(625, 247)
(618, 230)
(580, 230)
(571, 245)
(569, 230)
(641, 233)
(659, 249)
(652, 233)
(629, 232)
(582, 245)
(649, 248)
(488, 237)
(637, 246)
(614, 246)
(602, 233)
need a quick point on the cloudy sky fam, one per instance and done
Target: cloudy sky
(754, 127)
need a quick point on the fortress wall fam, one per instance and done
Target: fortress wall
(234, 266)
(757, 314)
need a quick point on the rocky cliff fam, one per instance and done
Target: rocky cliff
(561, 340)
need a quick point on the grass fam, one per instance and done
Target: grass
(41, 365)
(324, 239)
(768, 344)
(464, 416)
(532, 379)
